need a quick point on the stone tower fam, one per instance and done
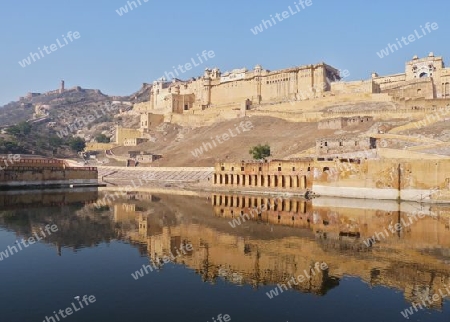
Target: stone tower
(206, 92)
(61, 88)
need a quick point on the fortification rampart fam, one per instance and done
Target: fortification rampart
(404, 179)
(22, 176)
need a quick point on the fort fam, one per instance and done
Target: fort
(300, 94)
(340, 163)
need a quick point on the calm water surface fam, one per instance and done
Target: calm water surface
(227, 270)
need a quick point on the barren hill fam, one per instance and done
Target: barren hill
(178, 145)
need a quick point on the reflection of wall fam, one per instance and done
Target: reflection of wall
(356, 223)
(215, 254)
(258, 254)
(45, 199)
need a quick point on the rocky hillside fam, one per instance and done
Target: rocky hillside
(56, 117)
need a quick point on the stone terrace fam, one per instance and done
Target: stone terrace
(156, 175)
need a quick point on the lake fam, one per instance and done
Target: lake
(219, 257)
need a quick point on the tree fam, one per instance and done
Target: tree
(101, 138)
(22, 128)
(77, 144)
(54, 141)
(260, 152)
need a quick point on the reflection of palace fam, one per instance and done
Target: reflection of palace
(326, 215)
(267, 249)
(260, 254)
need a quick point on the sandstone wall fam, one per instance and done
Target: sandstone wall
(95, 146)
(20, 176)
(124, 133)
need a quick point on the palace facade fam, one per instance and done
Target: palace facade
(241, 86)
(423, 78)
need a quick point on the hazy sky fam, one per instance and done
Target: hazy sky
(116, 54)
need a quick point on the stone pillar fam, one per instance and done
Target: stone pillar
(280, 181)
(302, 207)
(295, 206)
(303, 182)
(288, 205)
(272, 203)
(294, 182)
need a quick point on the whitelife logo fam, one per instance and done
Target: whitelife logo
(31, 240)
(35, 56)
(123, 10)
(68, 311)
(78, 123)
(9, 161)
(411, 38)
(161, 261)
(206, 146)
(280, 17)
(301, 279)
(188, 66)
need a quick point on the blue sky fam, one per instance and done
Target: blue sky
(116, 54)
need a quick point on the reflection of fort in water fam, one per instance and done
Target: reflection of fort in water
(269, 249)
(265, 250)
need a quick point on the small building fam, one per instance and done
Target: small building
(134, 141)
(143, 156)
(277, 174)
(328, 146)
(342, 122)
(150, 121)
